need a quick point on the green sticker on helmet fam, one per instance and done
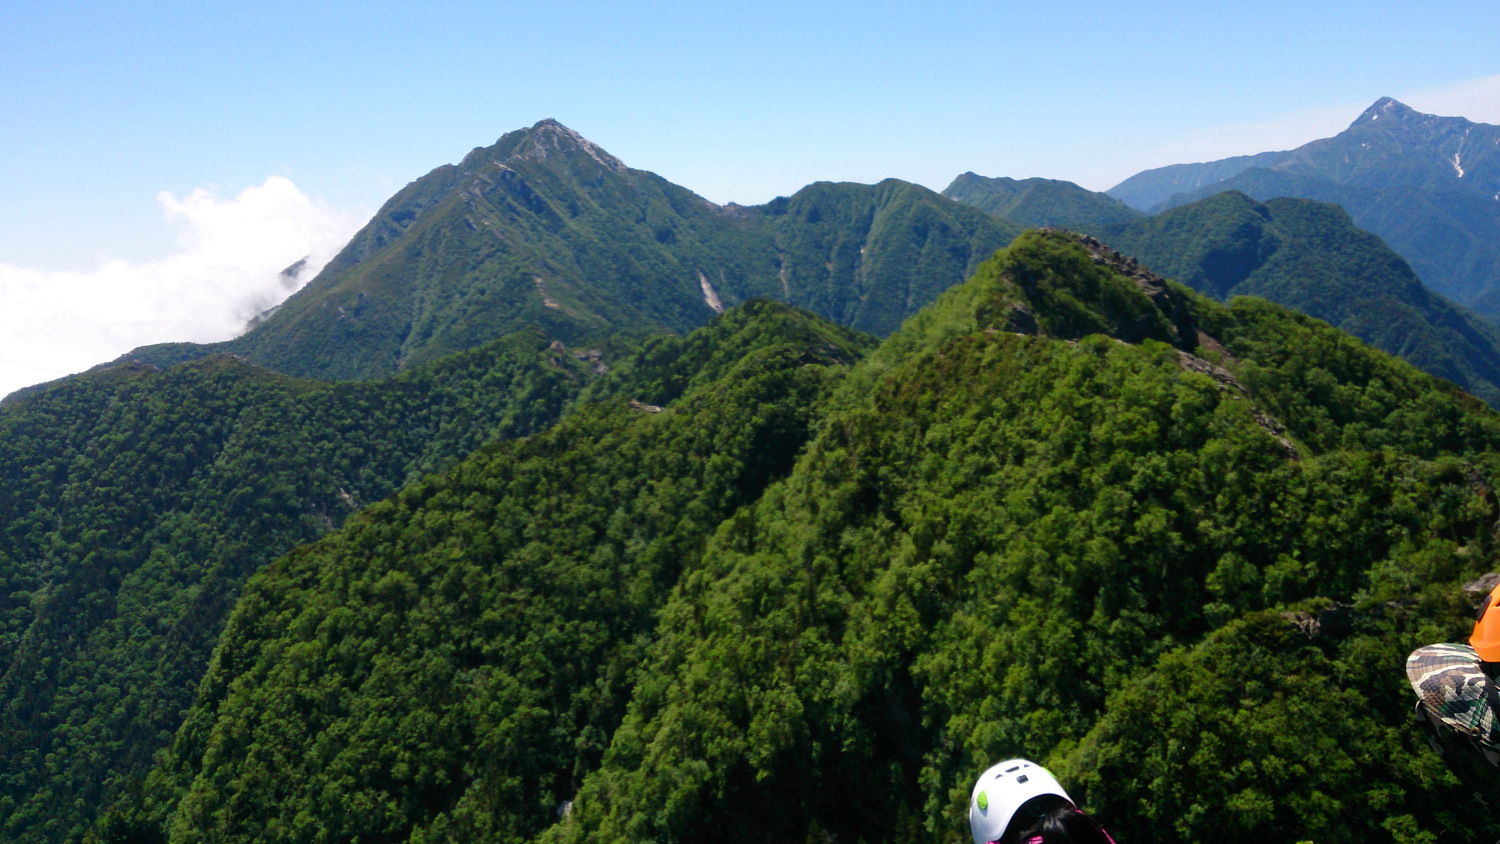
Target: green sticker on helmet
(984, 801)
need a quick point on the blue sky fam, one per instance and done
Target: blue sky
(109, 112)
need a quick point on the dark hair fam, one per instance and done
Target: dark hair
(1058, 822)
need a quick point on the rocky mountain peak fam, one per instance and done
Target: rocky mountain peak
(1386, 108)
(1388, 112)
(549, 136)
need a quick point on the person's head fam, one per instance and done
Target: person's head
(1016, 802)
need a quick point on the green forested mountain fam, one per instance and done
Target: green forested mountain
(1310, 256)
(1070, 511)
(1040, 202)
(458, 657)
(135, 502)
(546, 229)
(1428, 185)
(1449, 237)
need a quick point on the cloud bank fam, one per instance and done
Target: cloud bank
(226, 270)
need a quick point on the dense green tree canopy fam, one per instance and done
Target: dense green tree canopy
(1002, 529)
(1070, 512)
(134, 503)
(451, 664)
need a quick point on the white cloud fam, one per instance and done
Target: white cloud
(226, 270)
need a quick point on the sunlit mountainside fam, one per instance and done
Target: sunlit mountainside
(545, 228)
(566, 505)
(812, 593)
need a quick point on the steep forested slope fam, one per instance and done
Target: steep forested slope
(1070, 512)
(546, 229)
(453, 662)
(1309, 256)
(1448, 236)
(133, 504)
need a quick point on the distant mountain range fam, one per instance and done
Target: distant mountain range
(547, 229)
(1393, 164)
(1428, 185)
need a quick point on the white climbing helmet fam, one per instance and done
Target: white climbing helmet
(1002, 791)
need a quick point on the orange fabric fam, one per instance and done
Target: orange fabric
(1486, 636)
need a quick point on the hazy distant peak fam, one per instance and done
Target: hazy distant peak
(971, 176)
(1386, 108)
(1391, 110)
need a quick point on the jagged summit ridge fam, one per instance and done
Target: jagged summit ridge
(1388, 108)
(1392, 109)
(1127, 265)
(1170, 303)
(538, 143)
(549, 135)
